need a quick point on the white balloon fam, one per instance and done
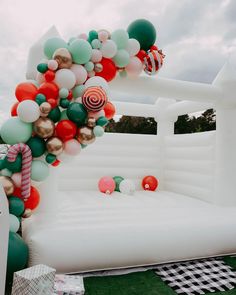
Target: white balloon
(28, 111)
(133, 47)
(109, 49)
(80, 73)
(97, 81)
(72, 147)
(14, 223)
(127, 187)
(65, 79)
(134, 67)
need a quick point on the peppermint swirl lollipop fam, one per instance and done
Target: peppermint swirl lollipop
(94, 98)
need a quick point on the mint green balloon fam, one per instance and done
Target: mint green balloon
(64, 115)
(39, 170)
(78, 91)
(89, 66)
(6, 172)
(98, 131)
(121, 38)
(121, 59)
(14, 223)
(63, 93)
(96, 44)
(15, 131)
(52, 44)
(71, 40)
(81, 51)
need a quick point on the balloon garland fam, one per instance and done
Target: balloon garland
(67, 106)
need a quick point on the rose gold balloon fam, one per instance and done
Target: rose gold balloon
(45, 109)
(44, 127)
(54, 146)
(7, 184)
(85, 135)
(98, 67)
(63, 58)
(27, 213)
(91, 122)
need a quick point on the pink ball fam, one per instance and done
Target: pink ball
(52, 65)
(97, 115)
(96, 55)
(16, 178)
(72, 147)
(103, 35)
(106, 185)
(83, 36)
(135, 67)
(80, 73)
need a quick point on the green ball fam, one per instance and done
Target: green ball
(143, 31)
(63, 93)
(118, 180)
(83, 145)
(14, 166)
(37, 146)
(55, 114)
(102, 121)
(2, 164)
(15, 131)
(71, 40)
(40, 98)
(121, 59)
(52, 44)
(64, 115)
(81, 51)
(64, 103)
(98, 131)
(39, 170)
(78, 91)
(42, 68)
(6, 172)
(96, 44)
(92, 35)
(16, 206)
(18, 254)
(121, 38)
(89, 66)
(77, 113)
(50, 158)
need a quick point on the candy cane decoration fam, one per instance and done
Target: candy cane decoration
(13, 151)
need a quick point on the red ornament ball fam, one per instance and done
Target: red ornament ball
(26, 90)
(94, 98)
(108, 69)
(109, 110)
(149, 183)
(66, 130)
(49, 76)
(53, 102)
(33, 201)
(14, 109)
(49, 89)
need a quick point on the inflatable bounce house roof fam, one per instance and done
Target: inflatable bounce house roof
(63, 107)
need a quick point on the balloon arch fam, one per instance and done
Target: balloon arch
(64, 110)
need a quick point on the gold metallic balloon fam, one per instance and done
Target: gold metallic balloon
(98, 67)
(91, 122)
(85, 135)
(54, 146)
(63, 58)
(45, 109)
(7, 184)
(44, 127)
(27, 213)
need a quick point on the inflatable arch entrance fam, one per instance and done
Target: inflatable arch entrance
(74, 229)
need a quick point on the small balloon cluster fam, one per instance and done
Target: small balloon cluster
(109, 184)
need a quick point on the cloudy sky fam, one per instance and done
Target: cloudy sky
(197, 36)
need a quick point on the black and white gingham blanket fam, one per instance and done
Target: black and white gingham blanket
(198, 277)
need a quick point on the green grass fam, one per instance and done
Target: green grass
(140, 283)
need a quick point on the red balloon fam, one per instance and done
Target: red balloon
(141, 55)
(149, 183)
(109, 110)
(109, 69)
(33, 200)
(14, 109)
(49, 89)
(26, 91)
(56, 163)
(66, 130)
(53, 102)
(49, 76)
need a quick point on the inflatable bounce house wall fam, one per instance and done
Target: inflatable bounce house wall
(191, 215)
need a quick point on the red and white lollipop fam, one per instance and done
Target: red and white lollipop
(94, 98)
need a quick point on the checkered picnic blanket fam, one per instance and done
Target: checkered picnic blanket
(198, 277)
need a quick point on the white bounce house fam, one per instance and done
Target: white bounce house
(191, 215)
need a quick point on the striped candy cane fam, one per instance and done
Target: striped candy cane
(13, 151)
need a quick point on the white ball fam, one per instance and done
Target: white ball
(65, 79)
(127, 187)
(109, 49)
(72, 147)
(134, 67)
(97, 81)
(80, 73)
(28, 111)
(14, 223)
(133, 47)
